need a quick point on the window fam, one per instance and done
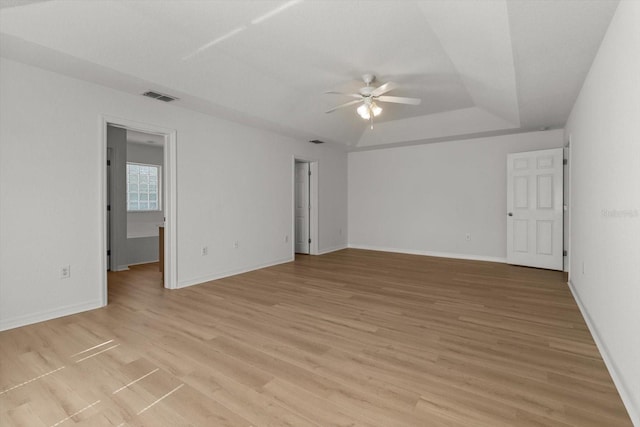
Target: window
(143, 188)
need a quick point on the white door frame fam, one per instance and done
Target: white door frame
(169, 200)
(313, 200)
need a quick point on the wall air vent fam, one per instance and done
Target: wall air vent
(160, 96)
(316, 141)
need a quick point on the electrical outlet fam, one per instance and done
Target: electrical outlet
(468, 237)
(236, 244)
(65, 271)
(205, 250)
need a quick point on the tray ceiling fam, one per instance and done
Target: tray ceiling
(479, 67)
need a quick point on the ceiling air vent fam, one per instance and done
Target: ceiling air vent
(316, 141)
(160, 96)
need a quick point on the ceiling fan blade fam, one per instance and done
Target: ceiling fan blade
(357, 101)
(388, 86)
(399, 100)
(352, 95)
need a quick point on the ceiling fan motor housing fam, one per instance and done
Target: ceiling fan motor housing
(366, 91)
(368, 78)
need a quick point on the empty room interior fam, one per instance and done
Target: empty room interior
(320, 213)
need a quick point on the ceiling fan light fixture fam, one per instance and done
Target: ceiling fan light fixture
(363, 111)
(376, 109)
(367, 109)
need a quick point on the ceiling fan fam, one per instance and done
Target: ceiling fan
(368, 96)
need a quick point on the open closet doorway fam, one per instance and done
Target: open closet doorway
(139, 198)
(302, 208)
(305, 197)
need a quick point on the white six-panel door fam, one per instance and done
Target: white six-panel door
(301, 204)
(534, 209)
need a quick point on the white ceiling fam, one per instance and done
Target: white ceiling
(480, 67)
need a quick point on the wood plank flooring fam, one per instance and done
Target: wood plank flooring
(352, 338)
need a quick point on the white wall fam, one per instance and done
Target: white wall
(604, 127)
(424, 199)
(234, 183)
(141, 153)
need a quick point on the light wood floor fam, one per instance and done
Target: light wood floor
(349, 338)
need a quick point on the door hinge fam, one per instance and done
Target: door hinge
(309, 173)
(564, 253)
(309, 240)
(108, 207)
(109, 252)
(565, 161)
(108, 162)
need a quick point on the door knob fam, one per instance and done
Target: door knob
(510, 214)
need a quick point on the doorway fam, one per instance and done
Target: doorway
(305, 203)
(114, 229)
(135, 198)
(302, 215)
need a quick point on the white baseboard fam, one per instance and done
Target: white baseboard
(333, 249)
(618, 379)
(142, 262)
(144, 235)
(430, 253)
(41, 316)
(200, 280)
